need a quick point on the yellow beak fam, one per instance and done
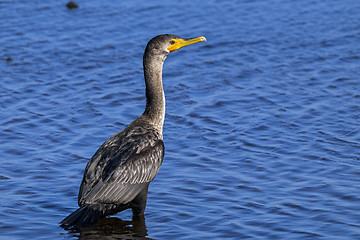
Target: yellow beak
(179, 43)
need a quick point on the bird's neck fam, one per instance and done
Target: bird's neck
(155, 97)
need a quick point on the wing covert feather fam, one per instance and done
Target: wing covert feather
(122, 167)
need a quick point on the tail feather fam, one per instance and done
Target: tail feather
(85, 216)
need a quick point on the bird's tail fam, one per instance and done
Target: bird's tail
(85, 216)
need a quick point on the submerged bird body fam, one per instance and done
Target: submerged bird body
(117, 177)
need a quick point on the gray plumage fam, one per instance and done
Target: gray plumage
(118, 170)
(117, 177)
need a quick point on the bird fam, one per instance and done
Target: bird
(118, 175)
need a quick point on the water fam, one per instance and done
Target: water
(262, 124)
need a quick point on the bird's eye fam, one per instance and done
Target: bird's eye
(172, 42)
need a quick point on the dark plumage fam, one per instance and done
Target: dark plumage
(117, 177)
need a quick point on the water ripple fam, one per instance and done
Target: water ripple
(261, 130)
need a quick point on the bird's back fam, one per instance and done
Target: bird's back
(123, 166)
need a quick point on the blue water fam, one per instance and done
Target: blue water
(262, 130)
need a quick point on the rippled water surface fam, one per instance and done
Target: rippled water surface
(261, 133)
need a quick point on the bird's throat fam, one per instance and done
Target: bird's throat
(155, 97)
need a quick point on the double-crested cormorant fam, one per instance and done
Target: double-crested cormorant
(117, 177)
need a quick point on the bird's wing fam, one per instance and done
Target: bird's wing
(122, 167)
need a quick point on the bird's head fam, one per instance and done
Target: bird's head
(167, 43)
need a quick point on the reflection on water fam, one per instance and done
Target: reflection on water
(261, 131)
(114, 228)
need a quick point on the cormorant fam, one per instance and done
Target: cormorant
(117, 177)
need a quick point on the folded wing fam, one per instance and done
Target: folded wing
(122, 167)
